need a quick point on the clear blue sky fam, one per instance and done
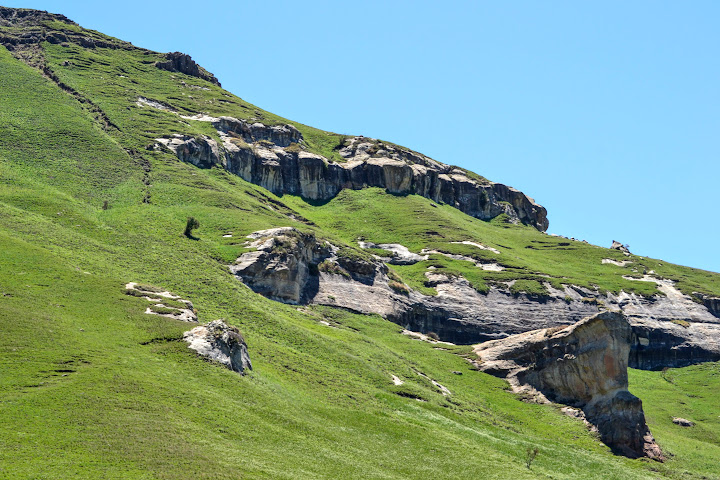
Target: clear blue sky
(605, 112)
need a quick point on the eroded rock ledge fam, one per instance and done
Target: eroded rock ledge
(584, 366)
(290, 266)
(275, 158)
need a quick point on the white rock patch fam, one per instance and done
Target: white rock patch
(185, 314)
(146, 102)
(478, 245)
(401, 254)
(615, 262)
(423, 337)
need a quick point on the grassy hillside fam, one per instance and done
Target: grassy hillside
(91, 387)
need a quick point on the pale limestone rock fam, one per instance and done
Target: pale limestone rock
(220, 343)
(401, 254)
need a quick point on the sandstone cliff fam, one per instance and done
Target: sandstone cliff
(669, 330)
(584, 366)
(275, 158)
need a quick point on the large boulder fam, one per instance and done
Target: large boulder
(220, 343)
(583, 365)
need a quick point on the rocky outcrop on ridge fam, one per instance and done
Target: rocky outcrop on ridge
(584, 366)
(275, 158)
(183, 63)
(669, 330)
(22, 27)
(220, 343)
(619, 246)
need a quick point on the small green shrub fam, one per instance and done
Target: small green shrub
(240, 143)
(531, 287)
(333, 268)
(682, 323)
(293, 148)
(399, 287)
(381, 252)
(530, 456)
(149, 288)
(191, 225)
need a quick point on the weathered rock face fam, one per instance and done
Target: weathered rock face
(194, 150)
(658, 344)
(711, 303)
(619, 246)
(183, 63)
(583, 365)
(669, 330)
(220, 343)
(274, 158)
(34, 31)
(282, 266)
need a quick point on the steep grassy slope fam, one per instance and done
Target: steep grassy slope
(93, 388)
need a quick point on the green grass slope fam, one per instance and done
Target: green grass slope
(91, 387)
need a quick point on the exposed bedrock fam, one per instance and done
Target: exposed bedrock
(283, 265)
(668, 330)
(183, 63)
(274, 157)
(711, 303)
(583, 365)
(33, 30)
(220, 343)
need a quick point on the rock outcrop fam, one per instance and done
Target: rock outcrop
(163, 303)
(25, 27)
(683, 422)
(619, 246)
(283, 265)
(275, 158)
(710, 302)
(183, 63)
(584, 366)
(669, 329)
(220, 343)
